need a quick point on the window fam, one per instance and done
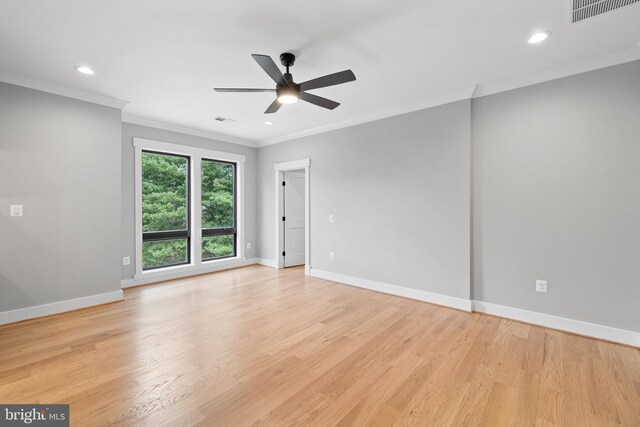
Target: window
(218, 209)
(165, 210)
(188, 209)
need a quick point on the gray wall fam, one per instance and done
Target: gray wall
(130, 131)
(60, 158)
(549, 176)
(399, 190)
(556, 196)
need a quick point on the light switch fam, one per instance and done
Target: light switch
(330, 219)
(541, 286)
(15, 210)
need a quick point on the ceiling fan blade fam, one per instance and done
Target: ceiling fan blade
(238, 89)
(319, 101)
(275, 106)
(270, 68)
(329, 80)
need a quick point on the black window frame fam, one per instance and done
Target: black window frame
(159, 236)
(222, 231)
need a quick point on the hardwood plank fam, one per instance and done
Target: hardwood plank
(257, 346)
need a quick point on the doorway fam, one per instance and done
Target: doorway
(292, 214)
(293, 218)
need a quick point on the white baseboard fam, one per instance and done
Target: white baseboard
(268, 262)
(130, 283)
(540, 319)
(430, 297)
(58, 307)
(561, 323)
(545, 320)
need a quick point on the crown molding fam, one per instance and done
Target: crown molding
(391, 112)
(143, 121)
(481, 90)
(579, 67)
(56, 89)
(485, 89)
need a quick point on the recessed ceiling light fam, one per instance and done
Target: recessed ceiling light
(268, 123)
(84, 70)
(539, 37)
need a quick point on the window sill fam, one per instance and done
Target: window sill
(178, 271)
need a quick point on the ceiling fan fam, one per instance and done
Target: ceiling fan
(289, 92)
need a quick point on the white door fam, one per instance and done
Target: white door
(293, 213)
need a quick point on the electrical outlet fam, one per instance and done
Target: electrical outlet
(541, 286)
(15, 210)
(330, 219)
(126, 260)
(248, 245)
(332, 256)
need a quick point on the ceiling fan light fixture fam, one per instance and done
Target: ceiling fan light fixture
(288, 96)
(288, 99)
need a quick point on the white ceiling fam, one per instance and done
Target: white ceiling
(165, 57)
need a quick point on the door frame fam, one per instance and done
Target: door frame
(279, 169)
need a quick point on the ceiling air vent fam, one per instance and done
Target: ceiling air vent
(583, 9)
(225, 119)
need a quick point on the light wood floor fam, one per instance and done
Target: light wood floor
(258, 346)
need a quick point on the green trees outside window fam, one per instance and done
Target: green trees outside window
(218, 210)
(165, 209)
(166, 238)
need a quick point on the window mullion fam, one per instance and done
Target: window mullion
(165, 235)
(207, 232)
(196, 210)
